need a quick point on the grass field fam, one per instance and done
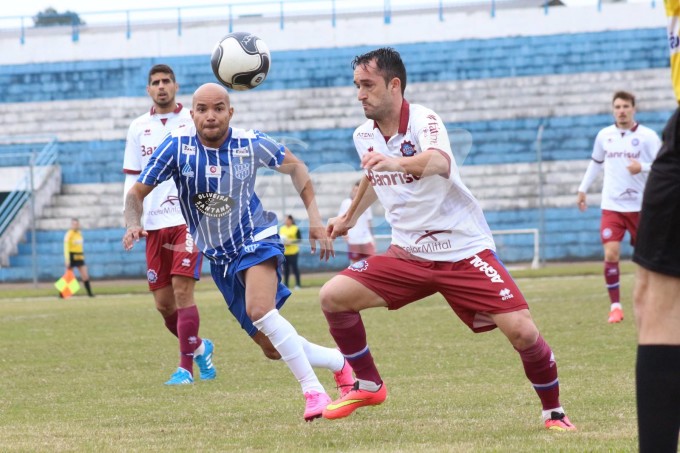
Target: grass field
(87, 375)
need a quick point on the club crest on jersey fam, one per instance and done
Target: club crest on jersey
(188, 150)
(407, 149)
(359, 266)
(635, 142)
(151, 275)
(241, 171)
(213, 171)
(187, 171)
(213, 204)
(241, 152)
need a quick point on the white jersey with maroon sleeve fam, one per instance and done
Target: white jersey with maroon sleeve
(622, 191)
(161, 206)
(433, 217)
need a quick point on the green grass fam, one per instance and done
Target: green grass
(87, 375)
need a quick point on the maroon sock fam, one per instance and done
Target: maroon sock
(187, 330)
(171, 323)
(349, 334)
(541, 369)
(611, 278)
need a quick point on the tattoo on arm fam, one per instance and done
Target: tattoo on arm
(133, 211)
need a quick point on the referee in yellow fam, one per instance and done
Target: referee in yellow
(73, 253)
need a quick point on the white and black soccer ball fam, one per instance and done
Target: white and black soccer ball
(241, 61)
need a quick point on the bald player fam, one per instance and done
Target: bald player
(214, 167)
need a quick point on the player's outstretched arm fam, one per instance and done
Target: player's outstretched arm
(133, 212)
(299, 175)
(364, 198)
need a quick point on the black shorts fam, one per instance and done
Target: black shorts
(658, 240)
(76, 259)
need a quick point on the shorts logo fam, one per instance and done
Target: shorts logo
(213, 204)
(407, 149)
(505, 294)
(241, 171)
(359, 266)
(606, 233)
(186, 262)
(487, 269)
(151, 275)
(187, 171)
(250, 248)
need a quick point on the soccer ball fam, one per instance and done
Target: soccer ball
(241, 61)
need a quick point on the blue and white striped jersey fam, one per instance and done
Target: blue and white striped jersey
(216, 187)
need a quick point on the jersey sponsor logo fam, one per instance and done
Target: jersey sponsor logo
(250, 248)
(487, 269)
(626, 154)
(432, 130)
(390, 178)
(189, 242)
(629, 194)
(170, 199)
(213, 204)
(151, 276)
(213, 171)
(187, 171)
(407, 149)
(147, 131)
(505, 294)
(188, 150)
(365, 135)
(431, 235)
(241, 152)
(241, 171)
(359, 266)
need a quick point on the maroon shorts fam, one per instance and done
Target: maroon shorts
(171, 251)
(615, 224)
(357, 252)
(473, 287)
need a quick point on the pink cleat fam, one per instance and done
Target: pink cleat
(615, 316)
(344, 380)
(315, 404)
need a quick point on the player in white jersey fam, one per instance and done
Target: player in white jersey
(441, 242)
(625, 151)
(214, 167)
(360, 240)
(173, 263)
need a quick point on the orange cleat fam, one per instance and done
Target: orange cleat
(344, 380)
(616, 315)
(559, 422)
(353, 400)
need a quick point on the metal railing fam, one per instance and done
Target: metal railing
(281, 10)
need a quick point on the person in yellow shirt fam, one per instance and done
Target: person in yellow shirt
(657, 280)
(73, 253)
(290, 234)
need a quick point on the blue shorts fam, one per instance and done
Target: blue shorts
(229, 280)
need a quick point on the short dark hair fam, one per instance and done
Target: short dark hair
(155, 69)
(290, 217)
(625, 95)
(389, 64)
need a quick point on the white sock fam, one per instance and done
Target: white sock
(285, 339)
(199, 350)
(615, 305)
(322, 357)
(369, 386)
(547, 413)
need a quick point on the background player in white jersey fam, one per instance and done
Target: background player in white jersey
(441, 242)
(360, 240)
(214, 167)
(173, 263)
(625, 151)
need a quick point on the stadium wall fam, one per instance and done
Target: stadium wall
(86, 92)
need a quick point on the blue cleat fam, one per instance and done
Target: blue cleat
(204, 361)
(180, 377)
